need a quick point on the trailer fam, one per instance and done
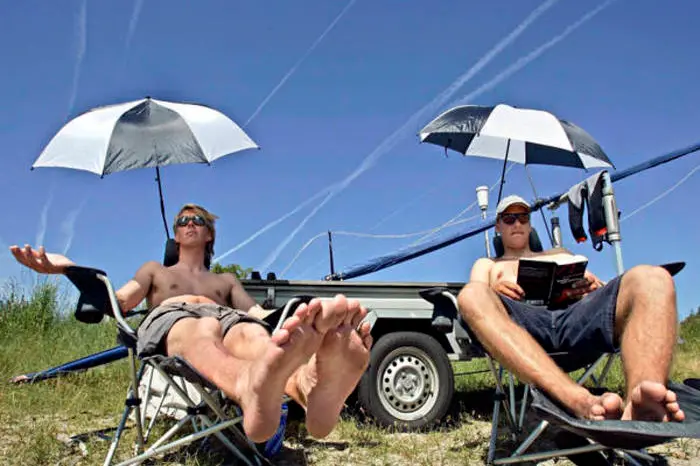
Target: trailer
(410, 380)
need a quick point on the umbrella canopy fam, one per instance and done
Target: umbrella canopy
(518, 135)
(141, 134)
(513, 134)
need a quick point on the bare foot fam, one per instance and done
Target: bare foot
(334, 371)
(607, 406)
(260, 384)
(652, 401)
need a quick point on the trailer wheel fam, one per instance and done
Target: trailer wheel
(409, 382)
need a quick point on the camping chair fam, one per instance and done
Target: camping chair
(206, 411)
(607, 440)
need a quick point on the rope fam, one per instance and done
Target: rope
(365, 235)
(465, 210)
(662, 195)
(544, 220)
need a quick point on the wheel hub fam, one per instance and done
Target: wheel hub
(407, 385)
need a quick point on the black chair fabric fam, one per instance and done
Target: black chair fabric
(535, 243)
(170, 257)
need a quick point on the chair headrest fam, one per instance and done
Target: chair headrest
(535, 243)
(171, 255)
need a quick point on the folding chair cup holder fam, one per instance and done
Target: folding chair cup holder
(607, 441)
(208, 415)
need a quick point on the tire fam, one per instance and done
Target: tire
(409, 382)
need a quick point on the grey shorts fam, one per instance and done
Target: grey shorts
(155, 327)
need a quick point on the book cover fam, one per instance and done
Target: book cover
(544, 278)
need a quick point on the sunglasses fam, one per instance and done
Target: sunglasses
(509, 219)
(196, 219)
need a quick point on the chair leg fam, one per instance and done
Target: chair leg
(185, 441)
(606, 369)
(134, 400)
(117, 436)
(498, 399)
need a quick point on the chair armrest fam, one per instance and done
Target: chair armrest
(673, 267)
(96, 296)
(445, 310)
(281, 313)
(439, 295)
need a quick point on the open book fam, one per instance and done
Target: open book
(543, 278)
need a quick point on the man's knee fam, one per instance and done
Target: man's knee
(251, 331)
(188, 332)
(645, 279)
(474, 300)
(641, 289)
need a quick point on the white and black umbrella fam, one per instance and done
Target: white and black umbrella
(512, 134)
(141, 134)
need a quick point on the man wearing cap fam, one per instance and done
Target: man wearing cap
(634, 312)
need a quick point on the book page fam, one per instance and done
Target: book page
(560, 259)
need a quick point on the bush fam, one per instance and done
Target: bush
(29, 315)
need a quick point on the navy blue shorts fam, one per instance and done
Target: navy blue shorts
(585, 328)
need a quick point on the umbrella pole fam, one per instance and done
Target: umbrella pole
(544, 220)
(162, 205)
(503, 172)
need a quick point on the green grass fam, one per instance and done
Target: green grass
(36, 419)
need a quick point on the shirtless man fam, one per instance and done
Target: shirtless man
(635, 312)
(317, 357)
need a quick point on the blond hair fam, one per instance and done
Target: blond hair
(209, 219)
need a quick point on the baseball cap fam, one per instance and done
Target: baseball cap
(509, 201)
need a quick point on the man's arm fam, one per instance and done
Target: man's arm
(240, 299)
(481, 271)
(136, 289)
(128, 296)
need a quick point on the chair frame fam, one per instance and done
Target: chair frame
(211, 397)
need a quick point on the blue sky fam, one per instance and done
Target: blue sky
(344, 103)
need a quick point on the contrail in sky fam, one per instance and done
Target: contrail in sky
(413, 121)
(82, 45)
(68, 226)
(43, 220)
(526, 59)
(268, 226)
(299, 62)
(138, 4)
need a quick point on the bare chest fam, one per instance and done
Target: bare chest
(504, 270)
(170, 282)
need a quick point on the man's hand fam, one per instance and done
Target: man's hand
(507, 288)
(39, 260)
(578, 290)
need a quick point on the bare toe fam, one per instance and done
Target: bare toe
(358, 314)
(598, 408)
(332, 314)
(652, 401)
